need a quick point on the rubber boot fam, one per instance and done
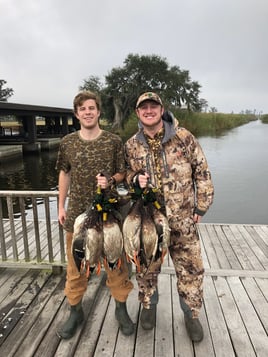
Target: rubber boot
(148, 316)
(194, 328)
(75, 319)
(125, 323)
(193, 325)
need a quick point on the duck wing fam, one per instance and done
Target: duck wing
(163, 230)
(112, 240)
(132, 231)
(149, 235)
(78, 242)
(93, 249)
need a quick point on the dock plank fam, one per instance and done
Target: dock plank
(36, 322)
(216, 242)
(257, 235)
(182, 344)
(234, 313)
(237, 247)
(255, 330)
(208, 247)
(247, 249)
(163, 337)
(218, 330)
(263, 259)
(236, 328)
(257, 299)
(227, 247)
(27, 289)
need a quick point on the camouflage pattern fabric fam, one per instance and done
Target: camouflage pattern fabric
(186, 179)
(186, 189)
(185, 252)
(147, 282)
(85, 159)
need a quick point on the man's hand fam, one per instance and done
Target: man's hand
(197, 218)
(102, 181)
(62, 215)
(143, 180)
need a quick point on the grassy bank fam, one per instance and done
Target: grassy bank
(213, 124)
(264, 118)
(200, 124)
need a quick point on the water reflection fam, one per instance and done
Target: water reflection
(32, 172)
(238, 162)
(237, 159)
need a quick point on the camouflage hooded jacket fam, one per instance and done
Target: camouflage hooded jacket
(186, 182)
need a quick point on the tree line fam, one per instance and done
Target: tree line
(139, 73)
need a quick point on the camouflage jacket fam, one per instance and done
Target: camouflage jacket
(186, 180)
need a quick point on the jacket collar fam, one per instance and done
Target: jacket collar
(170, 132)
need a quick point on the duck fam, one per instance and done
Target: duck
(93, 250)
(112, 242)
(87, 244)
(132, 233)
(79, 223)
(78, 246)
(149, 235)
(163, 231)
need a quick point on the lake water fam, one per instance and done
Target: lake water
(238, 163)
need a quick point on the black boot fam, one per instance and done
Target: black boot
(148, 317)
(194, 328)
(75, 319)
(121, 314)
(193, 325)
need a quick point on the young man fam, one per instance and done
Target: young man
(82, 157)
(170, 158)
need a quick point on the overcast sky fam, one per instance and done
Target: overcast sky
(48, 47)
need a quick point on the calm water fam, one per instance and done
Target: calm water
(239, 165)
(238, 162)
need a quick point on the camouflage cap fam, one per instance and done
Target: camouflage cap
(149, 96)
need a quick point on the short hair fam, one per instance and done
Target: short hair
(81, 97)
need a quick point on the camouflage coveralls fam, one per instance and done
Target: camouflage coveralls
(85, 159)
(177, 166)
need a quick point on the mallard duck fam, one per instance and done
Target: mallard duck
(87, 242)
(132, 232)
(149, 235)
(163, 231)
(79, 223)
(78, 242)
(93, 249)
(112, 241)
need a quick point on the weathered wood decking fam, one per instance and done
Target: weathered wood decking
(234, 314)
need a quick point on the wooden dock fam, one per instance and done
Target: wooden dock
(234, 313)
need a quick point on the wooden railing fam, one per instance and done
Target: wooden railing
(29, 230)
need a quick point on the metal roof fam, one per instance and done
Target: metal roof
(7, 108)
